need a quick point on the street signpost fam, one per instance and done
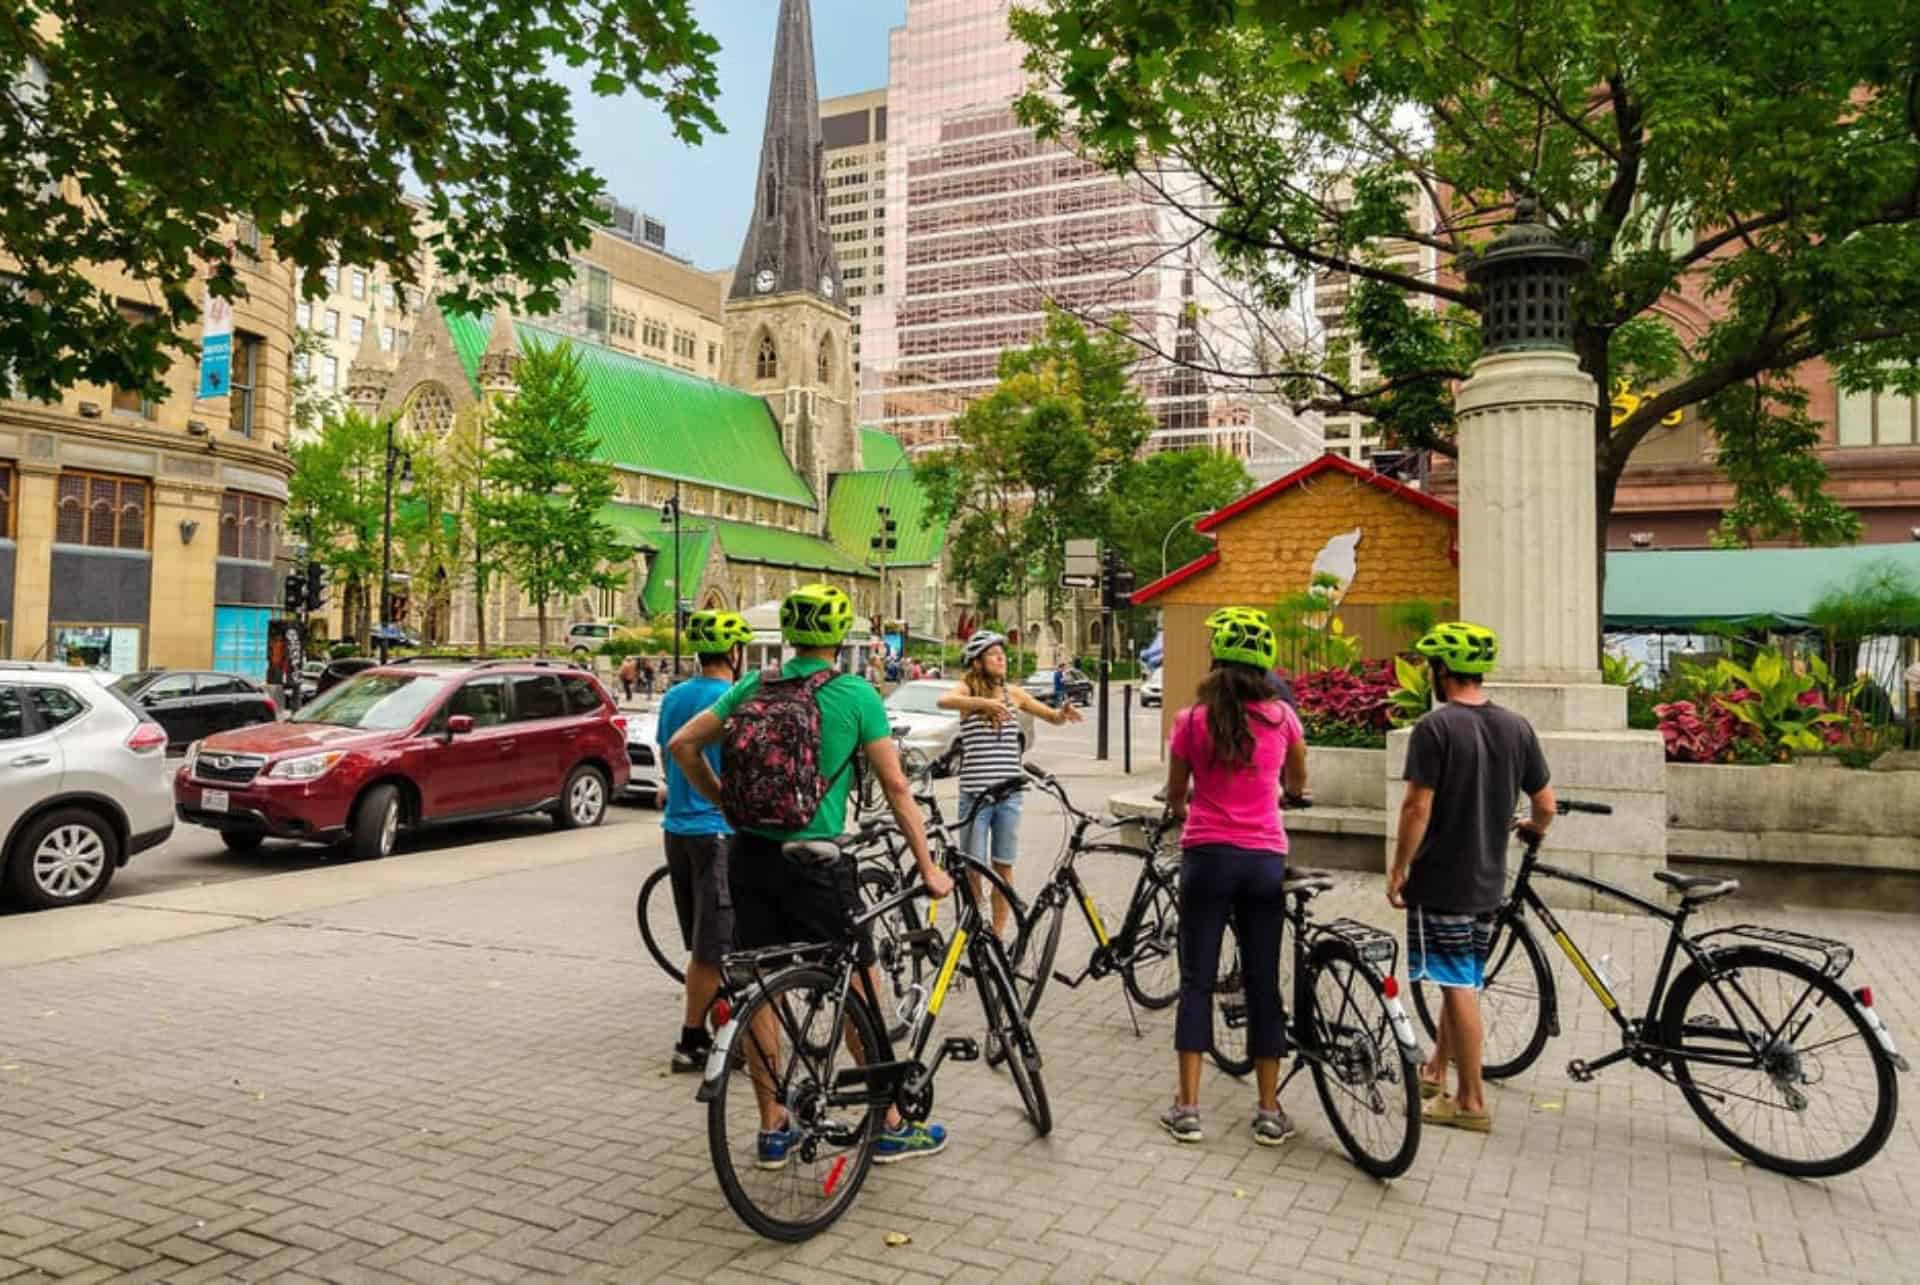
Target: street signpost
(1076, 580)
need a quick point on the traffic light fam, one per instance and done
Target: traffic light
(1116, 582)
(316, 595)
(885, 540)
(293, 592)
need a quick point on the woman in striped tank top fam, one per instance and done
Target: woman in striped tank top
(990, 748)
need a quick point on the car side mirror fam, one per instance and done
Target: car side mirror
(459, 724)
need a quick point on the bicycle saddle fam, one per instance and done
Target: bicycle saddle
(1697, 887)
(1308, 882)
(816, 852)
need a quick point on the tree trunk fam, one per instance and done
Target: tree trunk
(540, 616)
(1606, 481)
(479, 603)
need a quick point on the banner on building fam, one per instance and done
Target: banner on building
(216, 346)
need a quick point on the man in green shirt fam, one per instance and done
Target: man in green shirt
(776, 900)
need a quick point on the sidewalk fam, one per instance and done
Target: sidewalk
(462, 1076)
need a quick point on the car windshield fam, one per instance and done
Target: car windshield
(128, 684)
(375, 702)
(918, 698)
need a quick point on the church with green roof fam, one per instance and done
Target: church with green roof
(776, 482)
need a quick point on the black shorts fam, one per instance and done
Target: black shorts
(777, 900)
(697, 869)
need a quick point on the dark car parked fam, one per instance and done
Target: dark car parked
(191, 704)
(336, 672)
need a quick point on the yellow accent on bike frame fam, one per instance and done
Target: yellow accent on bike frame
(946, 972)
(1598, 987)
(1093, 917)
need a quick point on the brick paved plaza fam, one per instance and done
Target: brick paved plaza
(467, 1082)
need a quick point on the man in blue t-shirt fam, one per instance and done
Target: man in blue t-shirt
(697, 834)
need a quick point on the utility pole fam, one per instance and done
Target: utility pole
(1116, 583)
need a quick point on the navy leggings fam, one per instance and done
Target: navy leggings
(1218, 880)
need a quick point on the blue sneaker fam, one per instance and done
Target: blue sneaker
(909, 1141)
(774, 1146)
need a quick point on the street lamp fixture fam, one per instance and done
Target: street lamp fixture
(1168, 537)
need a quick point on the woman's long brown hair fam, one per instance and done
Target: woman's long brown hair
(980, 684)
(1225, 695)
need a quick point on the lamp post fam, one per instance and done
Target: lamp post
(1167, 539)
(395, 455)
(670, 512)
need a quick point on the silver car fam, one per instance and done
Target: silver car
(646, 758)
(84, 784)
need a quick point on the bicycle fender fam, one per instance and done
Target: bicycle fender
(1340, 944)
(1880, 1031)
(1402, 1025)
(716, 1068)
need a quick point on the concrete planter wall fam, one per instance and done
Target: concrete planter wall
(1790, 814)
(1346, 778)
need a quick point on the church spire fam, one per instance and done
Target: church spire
(787, 250)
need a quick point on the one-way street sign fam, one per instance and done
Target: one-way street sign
(1073, 580)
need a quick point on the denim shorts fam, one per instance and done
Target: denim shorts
(995, 833)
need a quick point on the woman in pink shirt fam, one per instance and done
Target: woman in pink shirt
(1228, 754)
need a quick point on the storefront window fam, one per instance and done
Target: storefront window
(6, 501)
(114, 648)
(247, 525)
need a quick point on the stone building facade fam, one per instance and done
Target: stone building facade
(136, 532)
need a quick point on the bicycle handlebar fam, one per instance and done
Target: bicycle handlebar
(1564, 806)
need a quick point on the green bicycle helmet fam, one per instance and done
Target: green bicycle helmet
(1244, 637)
(712, 633)
(816, 615)
(1462, 647)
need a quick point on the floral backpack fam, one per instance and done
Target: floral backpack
(770, 777)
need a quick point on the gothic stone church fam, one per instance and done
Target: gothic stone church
(778, 485)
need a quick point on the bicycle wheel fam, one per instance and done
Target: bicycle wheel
(900, 965)
(1514, 1004)
(660, 925)
(1229, 1046)
(790, 1045)
(1152, 971)
(1007, 1028)
(1039, 947)
(1366, 1081)
(1793, 1078)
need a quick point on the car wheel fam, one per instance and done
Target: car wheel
(64, 859)
(242, 840)
(376, 825)
(583, 802)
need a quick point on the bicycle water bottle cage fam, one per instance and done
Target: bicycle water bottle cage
(1829, 956)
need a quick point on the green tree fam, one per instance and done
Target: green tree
(312, 404)
(1762, 158)
(336, 501)
(1032, 461)
(435, 529)
(1152, 498)
(143, 135)
(545, 489)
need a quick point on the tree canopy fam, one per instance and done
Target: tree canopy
(545, 489)
(1745, 181)
(142, 135)
(1031, 462)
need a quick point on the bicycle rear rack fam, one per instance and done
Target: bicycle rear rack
(742, 968)
(1374, 945)
(1832, 957)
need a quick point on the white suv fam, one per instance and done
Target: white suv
(588, 636)
(84, 784)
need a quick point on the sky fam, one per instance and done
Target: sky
(703, 193)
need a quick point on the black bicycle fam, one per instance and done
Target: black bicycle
(1146, 950)
(1347, 1024)
(804, 1047)
(1777, 1058)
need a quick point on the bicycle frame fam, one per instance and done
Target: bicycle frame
(1110, 951)
(1636, 1044)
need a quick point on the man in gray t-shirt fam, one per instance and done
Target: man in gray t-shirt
(1468, 763)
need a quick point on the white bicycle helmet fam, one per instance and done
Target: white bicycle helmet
(978, 645)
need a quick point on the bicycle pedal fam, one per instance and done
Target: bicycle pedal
(1579, 1071)
(961, 1048)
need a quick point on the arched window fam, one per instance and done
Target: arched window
(766, 364)
(824, 364)
(771, 204)
(430, 410)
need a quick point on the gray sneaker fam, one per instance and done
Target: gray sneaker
(1183, 1123)
(1271, 1128)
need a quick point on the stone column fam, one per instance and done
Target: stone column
(33, 496)
(1528, 571)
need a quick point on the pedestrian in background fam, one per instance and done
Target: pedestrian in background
(1226, 763)
(629, 675)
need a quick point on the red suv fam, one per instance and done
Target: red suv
(409, 745)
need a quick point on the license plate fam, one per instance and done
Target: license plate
(213, 800)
